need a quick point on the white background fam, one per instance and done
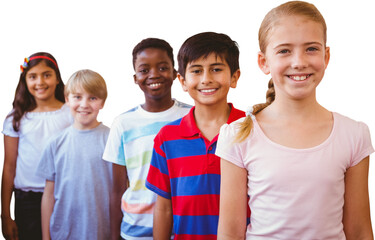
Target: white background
(100, 35)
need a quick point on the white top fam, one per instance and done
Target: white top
(130, 143)
(296, 193)
(35, 129)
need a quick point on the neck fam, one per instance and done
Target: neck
(158, 105)
(46, 106)
(206, 114)
(309, 108)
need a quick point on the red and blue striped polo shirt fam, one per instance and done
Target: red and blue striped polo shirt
(185, 169)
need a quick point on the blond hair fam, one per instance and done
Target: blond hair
(269, 22)
(88, 80)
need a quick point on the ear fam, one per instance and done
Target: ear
(174, 74)
(135, 79)
(102, 105)
(234, 79)
(182, 81)
(262, 63)
(327, 56)
(67, 100)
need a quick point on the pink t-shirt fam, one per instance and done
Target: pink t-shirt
(296, 193)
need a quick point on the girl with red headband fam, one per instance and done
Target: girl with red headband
(38, 112)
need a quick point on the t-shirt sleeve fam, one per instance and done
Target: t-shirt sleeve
(363, 146)
(8, 129)
(114, 148)
(158, 175)
(226, 148)
(46, 167)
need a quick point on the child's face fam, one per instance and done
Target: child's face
(154, 73)
(84, 108)
(207, 80)
(41, 82)
(296, 57)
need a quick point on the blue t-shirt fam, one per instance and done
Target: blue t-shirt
(73, 160)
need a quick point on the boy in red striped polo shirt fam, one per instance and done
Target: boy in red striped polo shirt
(184, 171)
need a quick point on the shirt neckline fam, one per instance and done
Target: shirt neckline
(260, 132)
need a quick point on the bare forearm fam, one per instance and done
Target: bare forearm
(7, 186)
(119, 186)
(163, 223)
(48, 202)
(115, 216)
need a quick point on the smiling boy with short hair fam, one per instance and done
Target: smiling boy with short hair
(130, 142)
(184, 171)
(75, 202)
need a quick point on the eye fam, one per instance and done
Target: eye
(31, 77)
(76, 97)
(143, 70)
(93, 98)
(164, 68)
(196, 71)
(312, 49)
(283, 51)
(217, 70)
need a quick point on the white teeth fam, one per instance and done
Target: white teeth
(207, 90)
(299, 78)
(155, 84)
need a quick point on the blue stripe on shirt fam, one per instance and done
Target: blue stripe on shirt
(184, 148)
(195, 185)
(136, 231)
(201, 225)
(135, 133)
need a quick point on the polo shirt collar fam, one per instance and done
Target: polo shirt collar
(188, 126)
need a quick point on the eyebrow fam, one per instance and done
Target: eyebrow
(146, 64)
(289, 44)
(32, 73)
(213, 64)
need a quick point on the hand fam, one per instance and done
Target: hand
(9, 227)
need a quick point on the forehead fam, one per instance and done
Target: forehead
(152, 55)
(212, 58)
(295, 30)
(40, 67)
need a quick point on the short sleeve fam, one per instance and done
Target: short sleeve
(114, 149)
(8, 129)
(158, 175)
(363, 146)
(227, 148)
(46, 167)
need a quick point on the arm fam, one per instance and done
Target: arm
(356, 219)
(163, 218)
(9, 226)
(120, 184)
(48, 202)
(233, 202)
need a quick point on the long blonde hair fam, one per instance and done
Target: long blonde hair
(272, 18)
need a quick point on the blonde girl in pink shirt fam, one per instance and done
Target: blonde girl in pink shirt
(304, 167)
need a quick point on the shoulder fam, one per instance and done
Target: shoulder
(349, 125)
(231, 129)
(235, 114)
(59, 138)
(181, 104)
(8, 129)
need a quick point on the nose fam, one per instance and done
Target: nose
(84, 102)
(206, 78)
(154, 73)
(39, 80)
(299, 60)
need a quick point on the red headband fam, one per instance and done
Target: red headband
(25, 64)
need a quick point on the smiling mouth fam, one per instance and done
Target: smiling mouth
(208, 90)
(299, 78)
(154, 85)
